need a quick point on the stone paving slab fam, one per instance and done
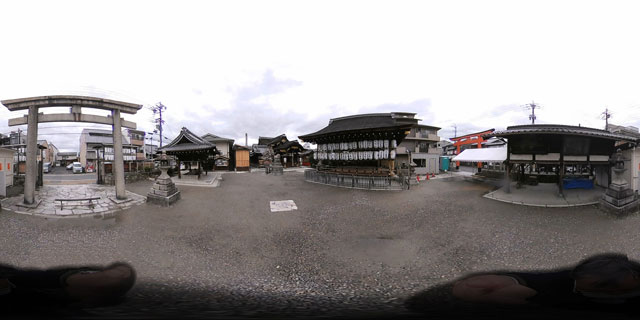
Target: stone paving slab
(546, 195)
(282, 205)
(212, 180)
(49, 208)
(69, 182)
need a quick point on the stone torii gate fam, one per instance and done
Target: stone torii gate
(76, 103)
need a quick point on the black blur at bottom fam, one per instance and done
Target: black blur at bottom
(603, 286)
(45, 294)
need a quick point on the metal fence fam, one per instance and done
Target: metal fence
(356, 182)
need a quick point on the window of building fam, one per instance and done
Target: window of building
(426, 132)
(423, 147)
(420, 162)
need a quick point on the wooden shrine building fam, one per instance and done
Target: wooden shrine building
(289, 150)
(190, 148)
(363, 144)
(572, 157)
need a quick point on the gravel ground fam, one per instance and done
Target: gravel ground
(220, 252)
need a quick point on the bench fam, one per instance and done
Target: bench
(78, 199)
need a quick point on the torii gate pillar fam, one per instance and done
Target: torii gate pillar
(118, 159)
(32, 155)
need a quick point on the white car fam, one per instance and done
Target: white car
(46, 167)
(77, 167)
(70, 166)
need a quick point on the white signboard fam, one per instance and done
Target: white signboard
(283, 205)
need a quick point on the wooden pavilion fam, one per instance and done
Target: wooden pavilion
(572, 157)
(188, 147)
(363, 144)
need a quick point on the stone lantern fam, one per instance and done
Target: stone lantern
(619, 198)
(276, 166)
(163, 191)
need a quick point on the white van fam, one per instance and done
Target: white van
(46, 167)
(77, 167)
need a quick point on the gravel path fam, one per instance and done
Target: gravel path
(220, 252)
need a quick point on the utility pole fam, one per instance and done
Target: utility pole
(605, 116)
(157, 110)
(532, 106)
(455, 130)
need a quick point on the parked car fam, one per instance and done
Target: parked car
(70, 166)
(46, 167)
(77, 167)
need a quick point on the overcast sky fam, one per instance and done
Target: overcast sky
(272, 67)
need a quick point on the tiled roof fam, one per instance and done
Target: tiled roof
(186, 141)
(559, 129)
(259, 148)
(187, 147)
(269, 140)
(291, 143)
(240, 147)
(364, 122)
(264, 140)
(213, 138)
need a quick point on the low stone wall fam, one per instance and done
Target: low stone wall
(129, 177)
(13, 191)
(493, 174)
(18, 180)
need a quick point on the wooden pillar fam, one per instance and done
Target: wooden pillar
(507, 178)
(521, 172)
(40, 181)
(508, 171)
(179, 172)
(561, 170)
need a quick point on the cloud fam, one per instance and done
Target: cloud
(250, 112)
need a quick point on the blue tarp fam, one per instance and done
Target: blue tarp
(577, 183)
